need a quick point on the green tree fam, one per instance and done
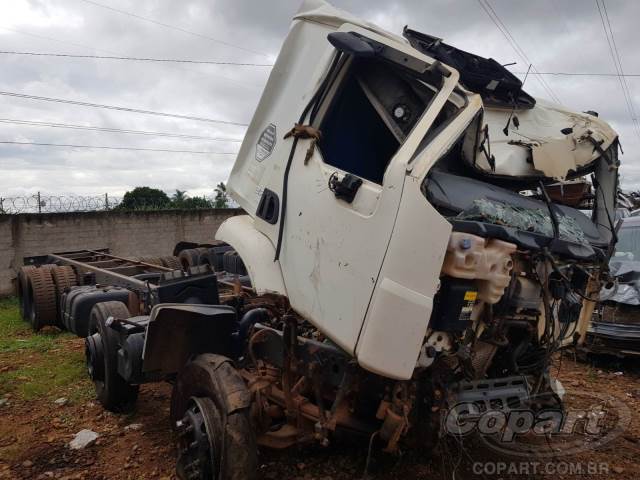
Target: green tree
(221, 199)
(178, 199)
(144, 198)
(179, 196)
(196, 203)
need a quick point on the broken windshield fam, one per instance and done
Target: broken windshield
(536, 220)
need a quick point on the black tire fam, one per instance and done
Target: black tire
(212, 380)
(233, 263)
(188, 258)
(172, 262)
(216, 256)
(42, 299)
(205, 259)
(112, 391)
(151, 260)
(23, 290)
(64, 277)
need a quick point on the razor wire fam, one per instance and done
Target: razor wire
(38, 203)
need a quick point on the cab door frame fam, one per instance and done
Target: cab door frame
(332, 251)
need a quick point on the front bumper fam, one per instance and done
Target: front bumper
(621, 340)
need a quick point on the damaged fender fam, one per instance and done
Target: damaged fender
(256, 251)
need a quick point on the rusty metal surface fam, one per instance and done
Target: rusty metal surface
(85, 266)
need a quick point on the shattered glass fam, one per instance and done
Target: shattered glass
(536, 220)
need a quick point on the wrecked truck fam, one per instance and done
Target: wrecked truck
(402, 251)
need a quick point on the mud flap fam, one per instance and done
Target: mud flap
(178, 332)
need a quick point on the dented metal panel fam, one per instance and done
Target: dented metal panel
(537, 147)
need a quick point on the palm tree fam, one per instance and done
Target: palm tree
(221, 200)
(179, 196)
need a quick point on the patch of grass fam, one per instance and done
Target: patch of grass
(43, 364)
(16, 335)
(60, 375)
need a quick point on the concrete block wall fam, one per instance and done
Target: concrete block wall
(149, 233)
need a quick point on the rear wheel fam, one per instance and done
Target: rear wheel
(172, 262)
(188, 258)
(41, 293)
(64, 277)
(210, 410)
(101, 353)
(233, 263)
(151, 260)
(23, 290)
(205, 259)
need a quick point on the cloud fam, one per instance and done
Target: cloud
(557, 36)
(39, 14)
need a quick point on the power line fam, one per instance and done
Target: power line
(123, 109)
(101, 147)
(172, 27)
(50, 39)
(611, 53)
(78, 45)
(582, 74)
(615, 56)
(543, 82)
(138, 59)
(501, 26)
(32, 123)
(514, 44)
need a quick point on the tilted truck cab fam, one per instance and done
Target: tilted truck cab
(354, 202)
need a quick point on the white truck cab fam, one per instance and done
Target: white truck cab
(349, 215)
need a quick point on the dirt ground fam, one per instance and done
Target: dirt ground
(37, 370)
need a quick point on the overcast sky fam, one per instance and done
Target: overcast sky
(557, 36)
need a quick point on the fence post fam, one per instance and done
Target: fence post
(39, 204)
(106, 201)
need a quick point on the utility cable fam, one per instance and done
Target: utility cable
(173, 27)
(581, 74)
(51, 39)
(137, 59)
(615, 56)
(500, 25)
(32, 123)
(124, 109)
(546, 86)
(101, 147)
(118, 54)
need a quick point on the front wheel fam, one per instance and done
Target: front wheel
(210, 411)
(101, 351)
